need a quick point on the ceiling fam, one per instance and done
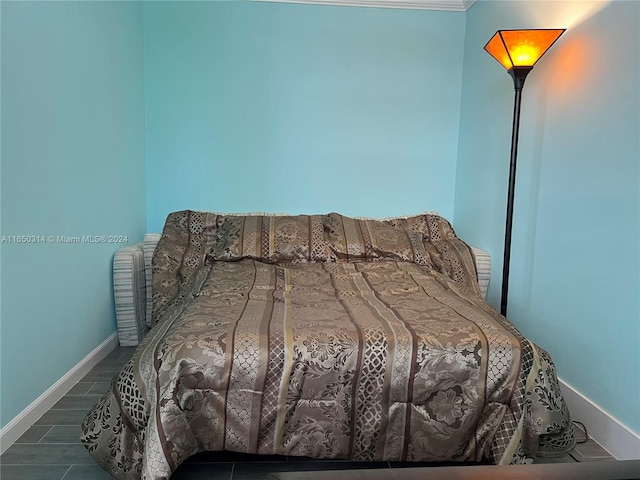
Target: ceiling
(449, 5)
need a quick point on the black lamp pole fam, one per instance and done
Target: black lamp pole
(518, 74)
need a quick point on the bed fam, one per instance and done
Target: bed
(324, 336)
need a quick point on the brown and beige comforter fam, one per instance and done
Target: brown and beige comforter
(324, 336)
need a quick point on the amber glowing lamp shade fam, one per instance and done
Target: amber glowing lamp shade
(521, 48)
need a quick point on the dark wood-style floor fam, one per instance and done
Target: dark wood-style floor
(51, 449)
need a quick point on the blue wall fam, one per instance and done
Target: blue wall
(299, 108)
(72, 164)
(574, 285)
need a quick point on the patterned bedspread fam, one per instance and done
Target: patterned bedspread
(326, 337)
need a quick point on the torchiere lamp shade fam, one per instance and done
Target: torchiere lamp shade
(521, 48)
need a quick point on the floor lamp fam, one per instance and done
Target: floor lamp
(517, 51)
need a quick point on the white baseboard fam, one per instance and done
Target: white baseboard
(608, 431)
(13, 430)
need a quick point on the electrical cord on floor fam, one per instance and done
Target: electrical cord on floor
(582, 427)
(584, 430)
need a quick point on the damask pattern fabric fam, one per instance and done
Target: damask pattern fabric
(190, 239)
(368, 360)
(180, 252)
(271, 239)
(425, 239)
(351, 239)
(149, 246)
(448, 254)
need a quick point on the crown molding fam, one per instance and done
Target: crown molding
(447, 5)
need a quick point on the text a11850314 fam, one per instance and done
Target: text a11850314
(63, 239)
